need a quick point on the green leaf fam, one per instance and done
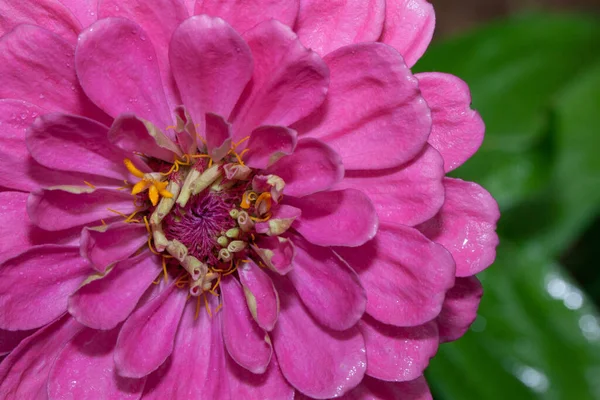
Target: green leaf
(572, 199)
(514, 69)
(536, 337)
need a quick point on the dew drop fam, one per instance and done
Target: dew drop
(42, 96)
(23, 115)
(150, 58)
(143, 38)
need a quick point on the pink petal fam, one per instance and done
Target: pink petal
(34, 58)
(329, 289)
(405, 275)
(261, 296)
(243, 15)
(313, 167)
(118, 70)
(245, 341)
(387, 130)
(19, 234)
(71, 143)
(85, 370)
(211, 63)
(105, 302)
(24, 372)
(409, 27)
(282, 217)
(373, 389)
(460, 308)
(268, 144)
(457, 130)
(407, 195)
(276, 252)
(339, 218)
(318, 362)
(47, 14)
(148, 335)
(17, 169)
(466, 226)
(83, 10)
(35, 285)
(398, 354)
(196, 368)
(289, 81)
(133, 134)
(107, 244)
(159, 19)
(11, 339)
(325, 26)
(218, 136)
(270, 385)
(67, 207)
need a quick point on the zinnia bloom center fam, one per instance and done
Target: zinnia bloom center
(204, 213)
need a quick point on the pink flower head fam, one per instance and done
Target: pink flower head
(231, 199)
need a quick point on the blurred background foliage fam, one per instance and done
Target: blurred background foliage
(535, 79)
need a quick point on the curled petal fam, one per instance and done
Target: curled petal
(218, 136)
(106, 244)
(211, 63)
(373, 389)
(118, 70)
(35, 285)
(338, 218)
(466, 226)
(407, 195)
(398, 354)
(71, 143)
(409, 27)
(66, 207)
(460, 308)
(269, 385)
(261, 297)
(24, 372)
(105, 302)
(19, 234)
(243, 15)
(147, 337)
(329, 289)
(388, 129)
(281, 220)
(341, 355)
(47, 14)
(289, 81)
(245, 341)
(325, 26)
(91, 350)
(405, 275)
(457, 131)
(276, 252)
(133, 134)
(313, 167)
(268, 144)
(32, 57)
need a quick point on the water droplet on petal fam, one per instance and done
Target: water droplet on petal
(41, 96)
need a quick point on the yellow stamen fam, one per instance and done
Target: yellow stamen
(140, 187)
(206, 305)
(89, 184)
(147, 224)
(103, 223)
(117, 212)
(218, 308)
(153, 194)
(266, 218)
(244, 152)
(164, 267)
(197, 308)
(240, 142)
(132, 168)
(264, 197)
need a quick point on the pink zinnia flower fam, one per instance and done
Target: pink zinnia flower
(246, 203)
